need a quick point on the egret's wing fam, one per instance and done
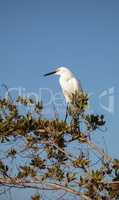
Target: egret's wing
(75, 85)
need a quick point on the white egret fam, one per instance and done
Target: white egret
(68, 82)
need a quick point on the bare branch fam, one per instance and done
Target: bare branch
(37, 185)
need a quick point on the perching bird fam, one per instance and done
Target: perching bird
(68, 82)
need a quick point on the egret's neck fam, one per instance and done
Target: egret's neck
(66, 76)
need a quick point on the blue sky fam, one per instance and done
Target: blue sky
(36, 36)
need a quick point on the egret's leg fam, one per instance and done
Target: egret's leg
(66, 115)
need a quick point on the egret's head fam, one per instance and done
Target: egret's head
(61, 71)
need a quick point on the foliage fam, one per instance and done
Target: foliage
(55, 155)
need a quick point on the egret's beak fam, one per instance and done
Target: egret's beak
(50, 73)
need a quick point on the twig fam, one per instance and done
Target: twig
(99, 150)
